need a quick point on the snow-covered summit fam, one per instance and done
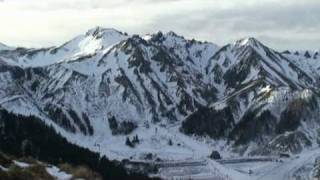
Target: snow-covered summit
(5, 47)
(98, 30)
(89, 44)
(249, 41)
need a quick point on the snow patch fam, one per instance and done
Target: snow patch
(57, 173)
(21, 164)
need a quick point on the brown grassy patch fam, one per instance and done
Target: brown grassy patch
(35, 172)
(66, 167)
(17, 173)
(82, 172)
(5, 160)
(85, 173)
(28, 160)
(3, 175)
(39, 172)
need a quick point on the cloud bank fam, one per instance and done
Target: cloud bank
(286, 24)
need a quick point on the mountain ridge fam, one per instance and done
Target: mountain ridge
(163, 87)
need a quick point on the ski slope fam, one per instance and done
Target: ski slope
(283, 169)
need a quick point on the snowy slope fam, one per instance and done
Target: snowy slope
(5, 47)
(82, 46)
(306, 60)
(129, 76)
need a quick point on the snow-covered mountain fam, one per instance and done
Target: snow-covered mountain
(104, 86)
(5, 47)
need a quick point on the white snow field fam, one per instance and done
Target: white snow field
(57, 173)
(294, 168)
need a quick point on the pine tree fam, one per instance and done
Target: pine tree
(129, 143)
(29, 136)
(136, 140)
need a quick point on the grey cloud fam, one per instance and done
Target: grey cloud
(298, 43)
(271, 16)
(279, 24)
(266, 21)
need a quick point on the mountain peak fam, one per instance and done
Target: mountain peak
(249, 41)
(98, 31)
(172, 34)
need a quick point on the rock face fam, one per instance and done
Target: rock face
(242, 93)
(205, 121)
(316, 169)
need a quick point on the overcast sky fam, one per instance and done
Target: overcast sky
(281, 24)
